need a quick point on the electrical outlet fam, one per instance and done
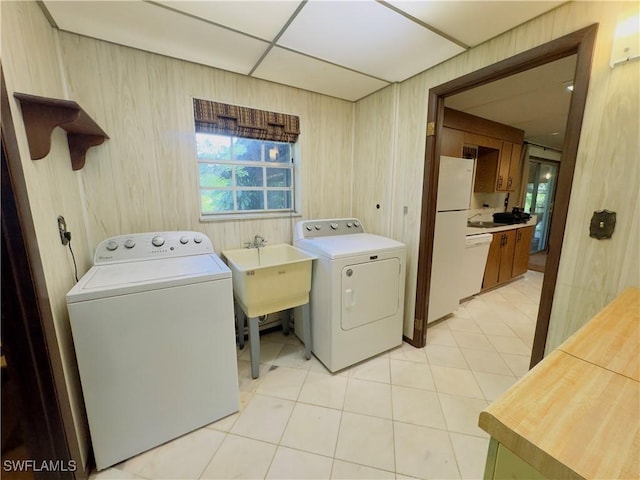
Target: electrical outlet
(62, 228)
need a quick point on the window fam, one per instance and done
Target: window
(245, 159)
(244, 175)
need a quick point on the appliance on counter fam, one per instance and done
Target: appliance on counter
(517, 215)
(476, 251)
(153, 329)
(455, 179)
(357, 290)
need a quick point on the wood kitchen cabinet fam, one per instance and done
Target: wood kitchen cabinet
(498, 170)
(452, 142)
(500, 259)
(508, 256)
(498, 149)
(508, 173)
(521, 251)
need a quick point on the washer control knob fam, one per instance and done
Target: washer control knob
(157, 241)
(112, 245)
(184, 240)
(334, 226)
(197, 239)
(318, 227)
(356, 224)
(129, 243)
(349, 224)
(309, 228)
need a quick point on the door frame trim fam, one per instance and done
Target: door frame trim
(32, 346)
(580, 42)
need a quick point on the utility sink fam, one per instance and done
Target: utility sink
(481, 224)
(270, 279)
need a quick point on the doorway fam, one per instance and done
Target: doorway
(539, 197)
(581, 43)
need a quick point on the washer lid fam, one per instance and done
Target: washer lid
(348, 245)
(103, 281)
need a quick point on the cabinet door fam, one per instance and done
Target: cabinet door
(521, 252)
(452, 142)
(506, 255)
(492, 268)
(513, 180)
(502, 177)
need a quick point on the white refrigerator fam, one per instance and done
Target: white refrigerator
(447, 269)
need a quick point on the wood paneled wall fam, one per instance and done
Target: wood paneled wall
(30, 65)
(145, 177)
(592, 272)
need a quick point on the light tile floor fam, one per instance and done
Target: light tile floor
(407, 413)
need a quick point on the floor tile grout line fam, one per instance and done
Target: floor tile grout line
(213, 455)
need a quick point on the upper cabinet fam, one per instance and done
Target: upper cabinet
(497, 149)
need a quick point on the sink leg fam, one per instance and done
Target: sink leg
(254, 346)
(306, 328)
(240, 326)
(286, 322)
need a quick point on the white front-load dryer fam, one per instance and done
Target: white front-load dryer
(357, 290)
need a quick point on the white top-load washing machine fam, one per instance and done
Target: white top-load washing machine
(153, 329)
(357, 290)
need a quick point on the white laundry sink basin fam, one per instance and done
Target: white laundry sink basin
(271, 278)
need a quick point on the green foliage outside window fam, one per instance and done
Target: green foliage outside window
(244, 175)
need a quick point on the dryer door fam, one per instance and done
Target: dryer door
(369, 292)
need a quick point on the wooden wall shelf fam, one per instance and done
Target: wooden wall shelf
(41, 115)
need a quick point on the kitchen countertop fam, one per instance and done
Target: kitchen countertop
(577, 413)
(501, 228)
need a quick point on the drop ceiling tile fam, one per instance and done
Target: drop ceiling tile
(148, 27)
(263, 19)
(296, 70)
(367, 37)
(473, 22)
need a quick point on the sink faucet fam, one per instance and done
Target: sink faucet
(474, 216)
(258, 242)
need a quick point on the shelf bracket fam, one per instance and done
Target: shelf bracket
(42, 115)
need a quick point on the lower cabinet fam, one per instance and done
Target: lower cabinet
(503, 464)
(508, 256)
(521, 252)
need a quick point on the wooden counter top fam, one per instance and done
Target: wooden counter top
(577, 413)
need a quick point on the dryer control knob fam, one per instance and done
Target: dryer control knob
(184, 240)
(309, 228)
(349, 224)
(157, 241)
(112, 245)
(197, 239)
(318, 227)
(356, 224)
(334, 226)
(130, 243)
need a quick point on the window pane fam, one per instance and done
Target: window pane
(278, 177)
(278, 199)
(277, 152)
(214, 175)
(249, 177)
(247, 149)
(213, 147)
(250, 200)
(216, 201)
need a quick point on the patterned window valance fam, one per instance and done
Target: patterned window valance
(221, 118)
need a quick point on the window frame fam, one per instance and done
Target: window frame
(292, 166)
